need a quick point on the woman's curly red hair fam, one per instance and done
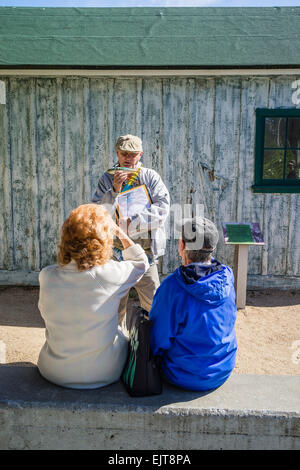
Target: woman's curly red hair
(86, 237)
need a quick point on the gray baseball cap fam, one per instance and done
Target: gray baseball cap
(198, 233)
(129, 143)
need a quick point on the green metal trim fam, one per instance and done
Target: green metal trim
(278, 112)
(281, 148)
(275, 189)
(271, 185)
(259, 142)
(280, 182)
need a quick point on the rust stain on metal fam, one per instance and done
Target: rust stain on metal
(191, 193)
(211, 175)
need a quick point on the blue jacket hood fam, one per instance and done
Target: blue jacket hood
(209, 283)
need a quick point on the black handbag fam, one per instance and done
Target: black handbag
(141, 375)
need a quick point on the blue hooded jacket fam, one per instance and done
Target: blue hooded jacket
(194, 313)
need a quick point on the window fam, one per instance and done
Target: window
(277, 153)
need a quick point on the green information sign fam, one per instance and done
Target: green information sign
(242, 233)
(239, 233)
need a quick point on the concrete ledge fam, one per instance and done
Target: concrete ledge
(247, 412)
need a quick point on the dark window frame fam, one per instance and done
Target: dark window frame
(270, 185)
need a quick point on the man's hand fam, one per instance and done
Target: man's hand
(119, 178)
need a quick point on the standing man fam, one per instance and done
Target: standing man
(146, 228)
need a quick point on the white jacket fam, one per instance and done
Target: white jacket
(84, 346)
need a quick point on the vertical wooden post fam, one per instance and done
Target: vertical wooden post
(240, 274)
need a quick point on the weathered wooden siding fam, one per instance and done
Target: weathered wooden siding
(57, 137)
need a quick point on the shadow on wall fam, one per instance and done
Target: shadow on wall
(273, 298)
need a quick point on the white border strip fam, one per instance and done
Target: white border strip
(144, 72)
(2, 93)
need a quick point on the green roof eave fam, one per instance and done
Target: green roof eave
(150, 37)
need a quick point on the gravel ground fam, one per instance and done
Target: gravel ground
(268, 330)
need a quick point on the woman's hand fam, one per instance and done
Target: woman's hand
(119, 231)
(123, 237)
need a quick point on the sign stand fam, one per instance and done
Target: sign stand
(241, 235)
(240, 274)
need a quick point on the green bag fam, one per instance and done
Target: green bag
(141, 374)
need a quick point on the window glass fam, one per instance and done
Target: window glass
(293, 136)
(273, 164)
(292, 168)
(277, 151)
(275, 129)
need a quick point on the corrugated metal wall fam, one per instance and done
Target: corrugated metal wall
(57, 137)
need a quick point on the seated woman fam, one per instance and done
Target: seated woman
(79, 300)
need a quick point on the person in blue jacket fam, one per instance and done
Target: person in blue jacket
(194, 313)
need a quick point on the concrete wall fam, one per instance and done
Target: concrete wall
(57, 136)
(247, 412)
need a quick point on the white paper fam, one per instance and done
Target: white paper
(133, 201)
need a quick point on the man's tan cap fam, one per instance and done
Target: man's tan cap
(129, 143)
